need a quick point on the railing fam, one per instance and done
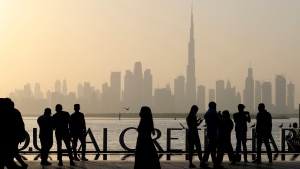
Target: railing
(168, 152)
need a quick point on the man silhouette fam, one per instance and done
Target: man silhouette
(193, 136)
(241, 118)
(263, 132)
(212, 120)
(78, 130)
(45, 123)
(62, 121)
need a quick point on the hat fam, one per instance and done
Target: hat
(241, 106)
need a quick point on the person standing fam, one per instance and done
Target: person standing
(224, 138)
(145, 153)
(45, 123)
(78, 130)
(212, 120)
(62, 121)
(193, 136)
(241, 118)
(263, 132)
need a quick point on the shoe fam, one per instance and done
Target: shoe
(72, 163)
(270, 161)
(256, 161)
(245, 161)
(204, 166)
(84, 159)
(76, 158)
(46, 163)
(192, 165)
(60, 163)
(218, 166)
(232, 163)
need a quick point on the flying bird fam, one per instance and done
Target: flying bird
(126, 108)
(252, 126)
(280, 125)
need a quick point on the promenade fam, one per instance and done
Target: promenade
(164, 165)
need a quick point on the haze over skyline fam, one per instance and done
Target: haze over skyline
(84, 41)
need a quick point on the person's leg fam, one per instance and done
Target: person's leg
(67, 141)
(267, 144)
(20, 160)
(198, 148)
(244, 142)
(59, 153)
(220, 146)
(230, 152)
(74, 146)
(259, 143)
(191, 151)
(238, 147)
(82, 139)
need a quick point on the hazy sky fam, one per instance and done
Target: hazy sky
(42, 41)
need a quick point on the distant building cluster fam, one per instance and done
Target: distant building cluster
(138, 91)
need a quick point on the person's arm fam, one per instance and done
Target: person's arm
(84, 126)
(248, 116)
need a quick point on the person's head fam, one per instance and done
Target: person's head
(241, 107)
(76, 107)
(194, 110)
(58, 108)
(261, 107)
(225, 113)
(145, 112)
(212, 105)
(47, 111)
(9, 103)
(295, 125)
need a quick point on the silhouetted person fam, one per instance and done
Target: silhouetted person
(145, 154)
(241, 118)
(193, 136)
(212, 120)
(224, 138)
(45, 123)
(62, 121)
(263, 132)
(12, 131)
(78, 130)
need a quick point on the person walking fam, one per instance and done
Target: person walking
(145, 153)
(263, 132)
(62, 121)
(212, 120)
(241, 119)
(78, 130)
(45, 123)
(193, 136)
(224, 138)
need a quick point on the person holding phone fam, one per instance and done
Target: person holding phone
(193, 136)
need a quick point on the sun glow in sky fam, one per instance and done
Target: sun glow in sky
(42, 41)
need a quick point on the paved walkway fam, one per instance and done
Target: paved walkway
(164, 164)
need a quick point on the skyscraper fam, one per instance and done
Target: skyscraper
(138, 87)
(127, 97)
(249, 91)
(290, 97)
(280, 94)
(115, 92)
(64, 88)
(179, 95)
(38, 94)
(201, 98)
(211, 95)
(220, 94)
(267, 95)
(147, 88)
(191, 78)
(258, 89)
(57, 86)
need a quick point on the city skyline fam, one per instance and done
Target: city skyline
(76, 42)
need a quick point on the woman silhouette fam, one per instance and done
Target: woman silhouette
(145, 154)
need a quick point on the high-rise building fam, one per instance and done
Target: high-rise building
(163, 100)
(190, 74)
(127, 97)
(147, 88)
(280, 94)
(230, 100)
(115, 92)
(138, 87)
(249, 91)
(38, 94)
(64, 88)
(201, 99)
(267, 95)
(27, 91)
(220, 94)
(179, 95)
(79, 91)
(57, 86)
(291, 97)
(211, 95)
(258, 89)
